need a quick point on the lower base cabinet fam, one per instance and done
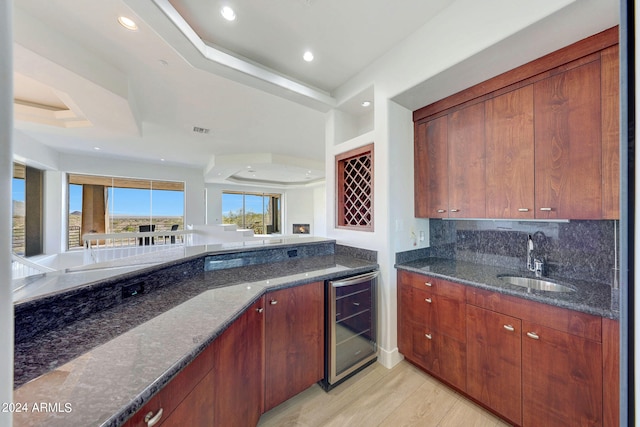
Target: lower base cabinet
(531, 363)
(494, 361)
(238, 371)
(294, 341)
(273, 351)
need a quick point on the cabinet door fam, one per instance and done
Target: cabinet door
(610, 133)
(294, 341)
(561, 378)
(196, 410)
(441, 313)
(439, 354)
(431, 169)
(466, 156)
(494, 361)
(568, 149)
(405, 319)
(238, 368)
(510, 160)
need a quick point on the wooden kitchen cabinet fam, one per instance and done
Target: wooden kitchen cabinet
(610, 97)
(466, 155)
(449, 165)
(431, 198)
(568, 148)
(510, 165)
(294, 341)
(561, 378)
(494, 361)
(540, 141)
(238, 380)
(431, 326)
(560, 353)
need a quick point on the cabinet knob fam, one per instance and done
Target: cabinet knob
(509, 328)
(260, 310)
(523, 210)
(533, 335)
(546, 209)
(151, 419)
(454, 210)
(428, 284)
(428, 300)
(273, 302)
(428, 336)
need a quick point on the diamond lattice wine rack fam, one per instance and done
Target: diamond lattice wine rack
(355, 189)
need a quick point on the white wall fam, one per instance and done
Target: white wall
(6, 170)
(299, 204)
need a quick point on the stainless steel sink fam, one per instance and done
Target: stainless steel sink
(535, 284)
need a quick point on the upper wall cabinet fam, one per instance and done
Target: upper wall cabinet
(510, 154)
(568, 146)
(538, 142)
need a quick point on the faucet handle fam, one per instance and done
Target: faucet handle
(538, 267)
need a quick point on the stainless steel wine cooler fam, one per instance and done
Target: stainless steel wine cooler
(351, 337)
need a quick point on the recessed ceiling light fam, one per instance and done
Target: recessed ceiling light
(308, 56)
(96, 148)
(128, 23)
(366, 103)
(228, 13)
(162, 160)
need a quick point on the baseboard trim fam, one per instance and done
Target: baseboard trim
(389, 359)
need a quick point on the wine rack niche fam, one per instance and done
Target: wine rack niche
(355, 189)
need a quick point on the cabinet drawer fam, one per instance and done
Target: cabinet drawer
(434, 285)
(439, 313)
(441, 355)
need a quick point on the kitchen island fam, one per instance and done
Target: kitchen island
(100, 368)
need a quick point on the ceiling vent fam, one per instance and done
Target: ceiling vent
(203, 131)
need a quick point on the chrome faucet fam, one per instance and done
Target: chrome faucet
(533, 264)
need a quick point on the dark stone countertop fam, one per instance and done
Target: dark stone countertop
(589, 297)
(106, 366)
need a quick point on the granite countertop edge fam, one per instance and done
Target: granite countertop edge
(589, 298)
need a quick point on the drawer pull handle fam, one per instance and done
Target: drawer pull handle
(428, 336)
(523, 210)
(533, 335)
(545, 209)
(273, 302)
(357, 304)
(428, 300)
(151, 419)
(455, 210)
(428, 284)
(509, 328)
(260, 310)
(442, 210)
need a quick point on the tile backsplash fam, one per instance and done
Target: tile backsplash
(582, 250)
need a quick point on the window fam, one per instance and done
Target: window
(99, 204)
(27, 210)
(18, 210)
(259, 212)
(354, 180)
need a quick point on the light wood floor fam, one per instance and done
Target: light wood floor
(399, 397)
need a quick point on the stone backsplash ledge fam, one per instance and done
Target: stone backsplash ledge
(581, 250)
